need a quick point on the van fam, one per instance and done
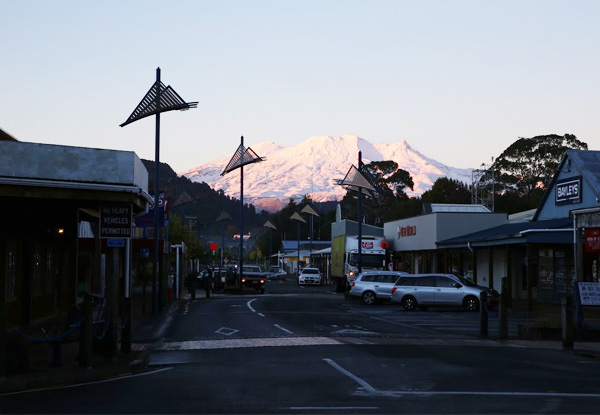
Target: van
(422, 290)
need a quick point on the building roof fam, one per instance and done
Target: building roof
(453, 207)
(587, 162)
(554, 231)
(293, 245)
(4, 136)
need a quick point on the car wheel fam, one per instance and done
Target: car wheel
(471, 303)
(369, 297)
(409, 303)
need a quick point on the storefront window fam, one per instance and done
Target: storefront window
(546, 270)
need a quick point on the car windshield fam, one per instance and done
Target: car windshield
(368, 260)
(310, 271)
(466, 282)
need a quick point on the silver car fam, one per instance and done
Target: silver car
(422, 290)
(309, 276)
(375, 285)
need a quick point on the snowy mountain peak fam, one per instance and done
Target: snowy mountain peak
(311, 167)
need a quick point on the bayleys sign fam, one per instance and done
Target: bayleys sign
(568, 191)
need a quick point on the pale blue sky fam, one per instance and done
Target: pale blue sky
(458, 80)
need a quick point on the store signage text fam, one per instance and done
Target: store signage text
(366, 244)
(405, 231)
(568, 191)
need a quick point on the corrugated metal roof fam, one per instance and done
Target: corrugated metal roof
(510, 230)
(453, 207)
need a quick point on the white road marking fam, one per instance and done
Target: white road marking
(241, 343)
(249, 306)
(331, 408)
(355, 378)
(283, 329)
(261, 314)
(372, 391)
(89, 383)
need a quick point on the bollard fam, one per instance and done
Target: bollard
(483, 326)
(567, 322)
(126, 329)
(503, 307)
(86, 332)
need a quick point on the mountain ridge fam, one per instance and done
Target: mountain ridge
(311, 167)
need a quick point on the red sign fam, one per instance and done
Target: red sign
(592, 239)
(404, 231)
(367, 244)
(213, 246)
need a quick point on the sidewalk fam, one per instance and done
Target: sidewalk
(147, 328)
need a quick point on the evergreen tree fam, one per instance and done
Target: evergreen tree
(446, 190)
(529, 163)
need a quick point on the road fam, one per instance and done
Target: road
(309, 350)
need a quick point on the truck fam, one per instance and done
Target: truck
(344, 257)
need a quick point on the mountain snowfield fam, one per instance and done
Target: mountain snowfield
(311, 167)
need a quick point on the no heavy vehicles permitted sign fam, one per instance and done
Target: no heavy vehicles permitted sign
(115, 221)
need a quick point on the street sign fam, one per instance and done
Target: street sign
(115, 221)
(115, 242)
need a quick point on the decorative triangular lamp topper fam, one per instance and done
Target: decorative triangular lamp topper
(268, 224)
(296, 216)
(159, 98)
(241, 157)
(359, 182)
(223, 216)
(309, 210)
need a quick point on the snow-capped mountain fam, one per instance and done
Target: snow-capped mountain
(311, 167)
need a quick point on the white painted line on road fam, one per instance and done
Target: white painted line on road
(489, 393)
(372, 391)
(153, 372)
(261, 314)
(355, 378)
(249, 306)
(283, 329)
(332, 408)
(244, 343)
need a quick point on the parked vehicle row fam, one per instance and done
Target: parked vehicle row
(414, 291)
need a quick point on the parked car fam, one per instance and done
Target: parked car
(309, 276)
(440, 289)
(372, 286)
(276, 273)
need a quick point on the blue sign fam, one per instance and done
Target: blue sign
(115, 243)
(568, 191)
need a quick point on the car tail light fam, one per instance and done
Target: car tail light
(353, 283)
(262, 281)
(243, 279)
(394, 290)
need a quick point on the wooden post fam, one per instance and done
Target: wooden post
(111, 298)
(86, 332)
(491, 267)
(530, 276)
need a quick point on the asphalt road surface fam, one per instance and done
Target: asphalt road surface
(310, 350)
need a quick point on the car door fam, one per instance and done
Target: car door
(424, 290)
(384, 284)
(447, 291)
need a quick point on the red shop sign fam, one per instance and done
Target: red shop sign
(592, 240)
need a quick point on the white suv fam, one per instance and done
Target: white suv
(310, 276)
(375, 285)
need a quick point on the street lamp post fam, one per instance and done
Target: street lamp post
(159, 98)
(296, 216)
